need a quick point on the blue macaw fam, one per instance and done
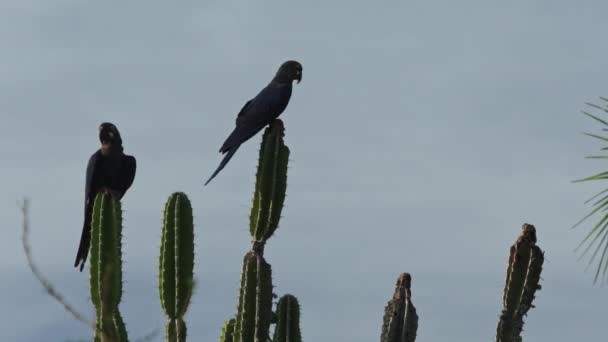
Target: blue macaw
(109, 170)
(261, 110)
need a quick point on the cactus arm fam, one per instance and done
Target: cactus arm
(521, 284)
(106, 268)
(288, 323)
(228, 331)
(255, 300)
(271, 183)
(400, 322)
(176, 264)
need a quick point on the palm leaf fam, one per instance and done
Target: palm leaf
(597, 237)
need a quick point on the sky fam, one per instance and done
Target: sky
(423, 135)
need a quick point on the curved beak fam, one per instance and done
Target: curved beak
(298, 76)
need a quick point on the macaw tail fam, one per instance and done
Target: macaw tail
(225, 161)
(83, 248)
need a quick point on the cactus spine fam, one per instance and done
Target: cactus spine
(522, 281)
(176, 264)
(288, 323)
(270, 184)
(400, 318)
(228, 331)
(106, 268)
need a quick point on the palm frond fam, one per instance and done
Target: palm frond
(597, 238)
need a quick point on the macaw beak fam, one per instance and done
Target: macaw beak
(298, 76)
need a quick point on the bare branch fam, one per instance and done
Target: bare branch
(41, 278)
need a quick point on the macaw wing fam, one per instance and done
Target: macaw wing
(127, 174)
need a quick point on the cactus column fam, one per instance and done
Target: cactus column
(254, 313)
(523, 276)
(270, 184)
(400, 318)
(176, 264)
(255, 300)
(106, 268)
(288, 320)
(228, 331)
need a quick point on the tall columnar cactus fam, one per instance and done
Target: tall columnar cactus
(288, 322)
(228, 331)
(176, 264)
(400, 319)
(106, 268)
(254, 312)
(271, 183)
(255, 300)
(522, 282)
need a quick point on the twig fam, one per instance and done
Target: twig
(41, 278)
(49, 287)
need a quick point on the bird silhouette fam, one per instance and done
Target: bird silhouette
(261, 110)
(109, 170)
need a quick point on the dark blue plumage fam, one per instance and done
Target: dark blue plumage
(109, 170)
(261, 110)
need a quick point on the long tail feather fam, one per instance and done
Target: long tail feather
(83, 248)
(225, 161)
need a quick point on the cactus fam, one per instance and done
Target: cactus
(255, 300)
(106, 268)
(288, 323)
(400, 318)
(228, 331)
(254, 312)
(271, 183)
(176, 263)
(522, 281)
(176, 330)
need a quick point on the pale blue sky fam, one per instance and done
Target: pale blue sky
(423, 134)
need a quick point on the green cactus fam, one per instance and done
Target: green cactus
(288, 323)
(106, 268)
(522, 282)
(254, 313)
(176, 330)
(400, 318)
(228, 331)
(271, 183)
(176, 263)
(255, 300)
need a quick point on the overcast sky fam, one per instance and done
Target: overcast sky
(423, 135)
